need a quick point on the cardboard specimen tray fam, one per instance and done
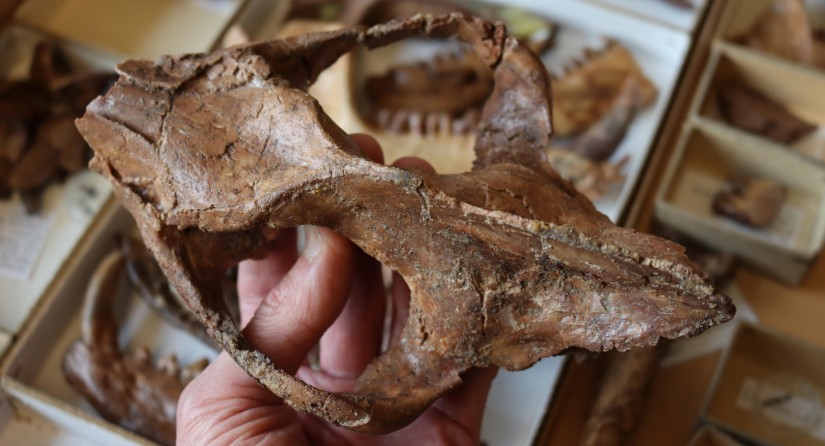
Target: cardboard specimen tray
(133, 29)
(707, 157)
(743, 16)
(798, 89)
(710, 151)
(769, 388)
(31, 372)
(711, 436)
(23, 426)
(681, 14)
(34, 248)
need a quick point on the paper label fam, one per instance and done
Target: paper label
(803, 412)
(22, 237)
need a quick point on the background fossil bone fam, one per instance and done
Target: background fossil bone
(127, 390)
(443, 95)
(584, 93)
(750, 110)
(146, 277)
(507, 264)
(751, 200)
(38, 140)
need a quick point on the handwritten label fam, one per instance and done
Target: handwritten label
(22, 237)
(802, 411)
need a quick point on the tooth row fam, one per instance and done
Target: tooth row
(421, 123)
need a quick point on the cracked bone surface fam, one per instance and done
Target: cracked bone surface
(507, 264)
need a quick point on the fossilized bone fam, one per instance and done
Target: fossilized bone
(750, 110)
(622, 394)
(585, 92)
(784, 30)
(585, 163)
(443, 95)
(751, 200)
(507, 264)
(593, 179)
(126, 390)
(46, 105)
(153, 287)
(599, 141)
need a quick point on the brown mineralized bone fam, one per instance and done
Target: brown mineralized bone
(586, 163)
(77, 90)
(507, 264)
(444, 95)
(585, 93)
(56, 151)
(147, 278)
(49, 66)
(750, 200)
(784, 31)
(621, 398)
(719, 266)
(36, 167)
(749, 110)
(593, 179)
(38, 140)
(599, 141)
(126, 390)
(532, 29)
(13, 140)
(23, 99)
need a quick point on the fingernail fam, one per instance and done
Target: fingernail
(312, 242)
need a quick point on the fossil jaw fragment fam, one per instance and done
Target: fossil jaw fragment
(583, 93)
(125, 389)
(213, 154)
(750, 110)
(153, 287)
(751, 200)
(441, 96)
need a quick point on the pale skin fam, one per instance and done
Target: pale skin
(331, 295)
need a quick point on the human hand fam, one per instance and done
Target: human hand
(332, 295)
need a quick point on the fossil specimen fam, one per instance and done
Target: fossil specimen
(507, 264)
(593, 179)
(749, 110)
(153, 287)
(750, 200)
(599, 141)
(13, 140)
(784, 31)
(38, 140)
(585, 163)
(719, 266)
(125, 389)
(444, 95)
(622, 395)
(585, 92)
